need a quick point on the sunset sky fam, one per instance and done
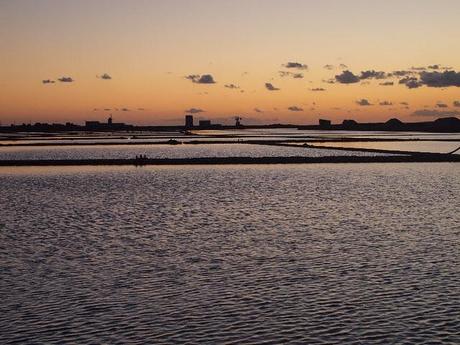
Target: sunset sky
(288, 61)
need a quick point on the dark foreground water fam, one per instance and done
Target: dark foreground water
(302, 254)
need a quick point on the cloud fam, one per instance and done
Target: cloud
(257, 110)
(371, 74)
(48, 81)
(440, 79)
(329, 67)
(363, 102)
(404, 103)
(66, 80)
(290, 74)
(456, 103)
(296, 65)
(385, 103)
(410, 82)
(347, 77)
(433, 112)
(201, 79)
(343, 66)
(270, 87)
(231, 86)
(294, 108)
(434, 66)
(105, 76)
(441, 105)
(401, 73)
(316, 89)
(194, 111)
(418, 68)
(387, 83)
(124, 109)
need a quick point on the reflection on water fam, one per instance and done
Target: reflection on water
(167, 151)
(330, 254)
(216, 136)
(412, 146)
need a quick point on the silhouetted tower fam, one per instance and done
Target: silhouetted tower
(110, 120)
(238, 121)
(188, 121)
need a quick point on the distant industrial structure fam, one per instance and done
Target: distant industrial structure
(188, 121)
(445, 124)
(110, 125)
(202, 124)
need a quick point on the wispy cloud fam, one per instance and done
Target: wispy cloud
(290, 74)
(66, 80)
(363, 102)
(104, 76)
(385, 103)
(296, 65)
(194, 111)
(201, 79)
(270, 87)
(48, 81)
(295, 108)
(318, 89)
(371, 74)
(231, 86)
(410, 82)
(434, 112)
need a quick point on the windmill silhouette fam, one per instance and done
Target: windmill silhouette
(238, 121)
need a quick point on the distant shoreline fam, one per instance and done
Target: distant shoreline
(440, 125)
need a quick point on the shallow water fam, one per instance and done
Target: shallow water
(411, 146)
(217, 136)
(301, 254)
(168, 151)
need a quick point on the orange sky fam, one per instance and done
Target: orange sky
(149, 47)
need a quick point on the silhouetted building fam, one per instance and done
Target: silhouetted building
(205, 123)
(110, 125)
(188, 121)
(349, 124)
(324, 124)
(92, 124)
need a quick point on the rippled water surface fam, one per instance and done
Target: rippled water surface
(168, 151)
(300, 254)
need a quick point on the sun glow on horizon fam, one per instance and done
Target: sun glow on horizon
(270, 61)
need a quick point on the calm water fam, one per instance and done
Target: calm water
(412, 146)
(216, 136)
(168, 151)
(301, 254)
